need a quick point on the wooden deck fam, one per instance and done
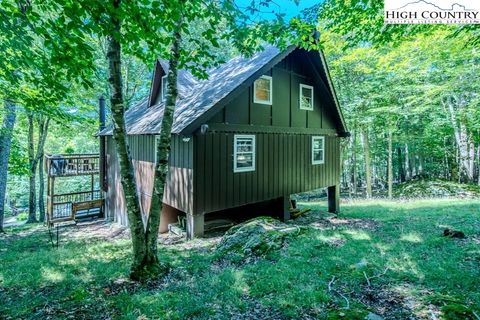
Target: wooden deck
(73, 205)
(72, 165)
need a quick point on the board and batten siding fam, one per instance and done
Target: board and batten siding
(284, 112)
(179, 187)
(283, 167)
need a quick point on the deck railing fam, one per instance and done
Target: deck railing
(77, 196)
(63, 205)
(72, 165)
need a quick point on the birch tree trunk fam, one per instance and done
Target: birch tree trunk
(368, 172)
(447, 173)
(117, 107)
(6, 134)
(471, 158)
(163, 152)
(465, 159)
(390, 165)
(408, 173)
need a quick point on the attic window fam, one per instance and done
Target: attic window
(306, 97)
(243, 153)
(163, 90)
(318, 150)
(262, 90)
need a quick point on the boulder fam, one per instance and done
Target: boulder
(255, 238)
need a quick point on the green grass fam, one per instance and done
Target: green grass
(413, 270)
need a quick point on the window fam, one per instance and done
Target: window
(306, 97)
(262, 90)
(244, 153)
(318, 150)
(164, 88)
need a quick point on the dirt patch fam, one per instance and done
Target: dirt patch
(326, 221)
(395, 302)
(99, 229)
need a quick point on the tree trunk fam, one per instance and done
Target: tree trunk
(421, 165)
(353, 179)
(32, 202)
(163, 151)
(144, 237)
(368, 173)
(42, 134)
(401, 170)
(471, 159)
(33, 159)
(478, 164)
(465, 151)
(6, 134)
(390, 165)
(446, 171)
(408, 174)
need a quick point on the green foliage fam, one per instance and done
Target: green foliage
(18, 161)
(22, 216)
(408, 89)
(457, 312)
(362, 21)
(424, 268)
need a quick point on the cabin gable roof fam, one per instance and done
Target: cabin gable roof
(199, 100)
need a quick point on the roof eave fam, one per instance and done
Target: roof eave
(334, 94)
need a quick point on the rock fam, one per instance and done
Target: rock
(373, 316)
(255, 237)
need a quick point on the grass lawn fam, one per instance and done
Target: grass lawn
(389, 258)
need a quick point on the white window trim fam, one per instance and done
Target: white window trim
(322, 138)
(254, 151)
(306, 86)
(163, 90)
(269, 102)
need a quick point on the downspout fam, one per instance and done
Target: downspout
(102, 160)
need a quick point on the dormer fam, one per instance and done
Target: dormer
(159, 84)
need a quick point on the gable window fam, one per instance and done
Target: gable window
(164, 88)
(306, 97)
(243, 153)
(262, 90)
(318, 150)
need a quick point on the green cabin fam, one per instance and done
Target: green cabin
(256, 131)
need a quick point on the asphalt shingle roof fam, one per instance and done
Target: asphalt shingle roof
(195, 97)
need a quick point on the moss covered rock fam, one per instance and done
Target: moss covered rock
(256, 237)
(420, 188)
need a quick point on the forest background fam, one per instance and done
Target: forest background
(410, 97)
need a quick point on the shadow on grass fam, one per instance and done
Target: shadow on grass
(398, 266)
